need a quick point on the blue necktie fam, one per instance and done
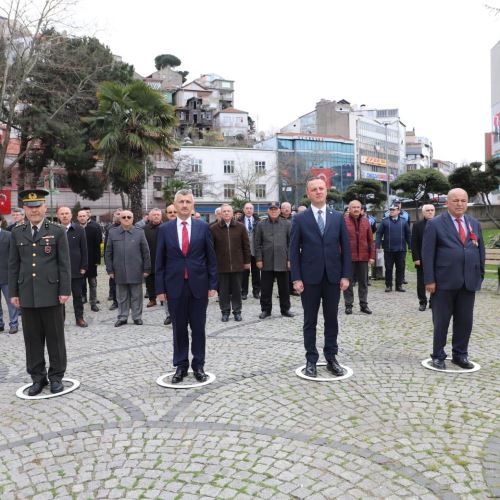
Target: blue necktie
(249, 225)
(321, 222)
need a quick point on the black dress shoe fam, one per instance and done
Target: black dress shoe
(256, 295)
(94, 308)
(333, 367)
(422, 307)
(13, 329)
(366, 310)
(244, 296)
(37, 387)
(179, 375)
(84, 300)
(400, 289)
(225, 318)
(237, 317)
(121, 322)
(462, 362)
(264, 315)
(348, 309)
(388, 288)
(56, 386)
(138, 322)
(439, 364)
(200, 375)
(310, 370)
(113, 306)
(167, 321)
(405, 282)
(288, 314)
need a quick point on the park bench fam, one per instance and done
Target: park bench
(493, 258)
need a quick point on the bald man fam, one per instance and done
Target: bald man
(453, 259)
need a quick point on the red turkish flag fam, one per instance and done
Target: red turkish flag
(323, 173)
(5, 204)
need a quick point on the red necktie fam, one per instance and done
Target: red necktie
(461, 232)
(185, 244)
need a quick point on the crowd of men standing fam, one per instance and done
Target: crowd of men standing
(316, 253)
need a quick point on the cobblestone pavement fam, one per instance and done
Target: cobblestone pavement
(392, 430)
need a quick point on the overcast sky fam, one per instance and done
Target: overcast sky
(429, 58)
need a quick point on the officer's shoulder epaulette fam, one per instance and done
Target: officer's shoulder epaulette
(53, 223)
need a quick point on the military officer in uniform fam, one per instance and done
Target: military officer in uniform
(39, 284)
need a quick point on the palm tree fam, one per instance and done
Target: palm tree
(131, 123)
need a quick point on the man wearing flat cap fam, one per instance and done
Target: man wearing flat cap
(272, 237)
(39, 284)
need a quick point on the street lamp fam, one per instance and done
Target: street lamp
(386, 124)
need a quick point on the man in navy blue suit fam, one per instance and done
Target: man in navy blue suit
(453, 259)
(186, 275)
(320, 257)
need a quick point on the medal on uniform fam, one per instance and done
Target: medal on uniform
(48, 249)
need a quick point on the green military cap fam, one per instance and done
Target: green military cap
(33, 197)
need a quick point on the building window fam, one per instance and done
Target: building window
(196, 165)
(157, 185)
(229, 191)
(229, 166)
(260, 191)
(197, 190)
(260, 167)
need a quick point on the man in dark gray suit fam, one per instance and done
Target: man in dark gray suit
(4, 287)
(453, 258)
(128, 262)
(78, 257)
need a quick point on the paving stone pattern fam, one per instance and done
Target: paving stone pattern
(392, 430)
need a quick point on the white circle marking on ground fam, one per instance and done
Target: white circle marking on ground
(20, 392)
(347, 374)
(426, 363)
(161, 381)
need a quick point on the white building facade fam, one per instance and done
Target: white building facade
(226, 173)
(231, 122)
(418, 151)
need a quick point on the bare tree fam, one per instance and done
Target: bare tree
(187, 175)
(24, 40)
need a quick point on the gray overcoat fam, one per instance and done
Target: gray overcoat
(271, 244)
(127, 255)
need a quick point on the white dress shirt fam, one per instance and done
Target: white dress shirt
(179, 230)
(323, 213)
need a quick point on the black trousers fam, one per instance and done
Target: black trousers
(44, 325)
(446, 304)
(112, 289)
(76, 291)
(422, 297)
(229, 292)
(392, 259)
(92, 289)
(185, 310)
(256, 279)
(150, 286)
(266, 295)
(312, 296)
(360, 274)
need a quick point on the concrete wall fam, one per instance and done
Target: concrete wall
(330, 121)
